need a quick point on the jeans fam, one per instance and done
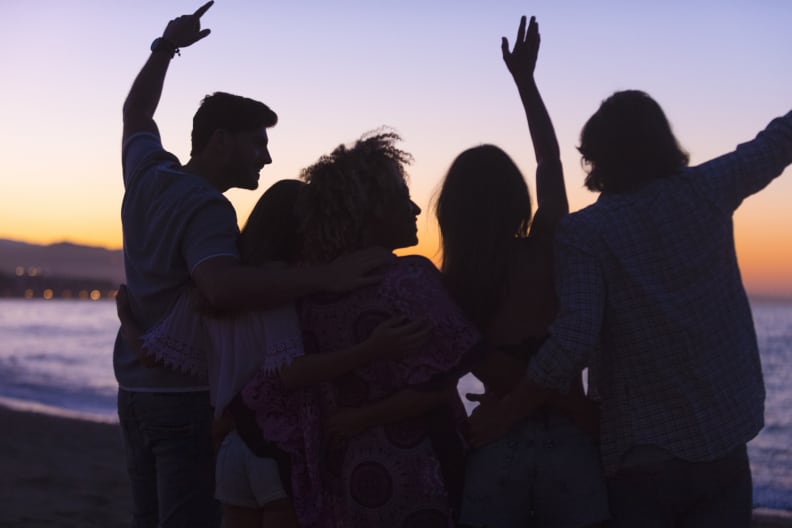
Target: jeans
(680, 494)
(544, 472)
(167, 437)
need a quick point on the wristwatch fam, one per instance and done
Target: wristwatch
(165, 46)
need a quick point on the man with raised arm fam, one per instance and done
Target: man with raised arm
(179, 229)
(651, 299)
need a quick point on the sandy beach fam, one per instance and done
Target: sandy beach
(67, 473)
(61, 472)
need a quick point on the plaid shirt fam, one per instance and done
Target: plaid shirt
(652, 301)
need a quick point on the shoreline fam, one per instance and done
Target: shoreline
(70, 472)
(766, 518)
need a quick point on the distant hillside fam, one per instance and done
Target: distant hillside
(63, 259)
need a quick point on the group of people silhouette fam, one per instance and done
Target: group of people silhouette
(300, 374)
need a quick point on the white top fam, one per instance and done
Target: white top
(229, 349)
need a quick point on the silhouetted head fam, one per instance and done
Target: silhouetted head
(232, 130)
(483, 205)
(271, 232)
(357, 197)
(627, 143)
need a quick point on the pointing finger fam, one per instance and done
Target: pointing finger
(203, 9)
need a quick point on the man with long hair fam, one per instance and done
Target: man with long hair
(651, 300)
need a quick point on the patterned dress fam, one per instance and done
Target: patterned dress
(405, 474)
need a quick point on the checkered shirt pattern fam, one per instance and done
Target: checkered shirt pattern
(651, 299)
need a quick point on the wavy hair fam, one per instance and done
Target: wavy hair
(627, 143)
(346, 192)
(483, 205)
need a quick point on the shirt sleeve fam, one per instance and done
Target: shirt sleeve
(211, 232)
(727, 180)
(575, 334)
(140, 151)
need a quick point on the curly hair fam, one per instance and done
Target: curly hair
(346, 193)
(627, 143)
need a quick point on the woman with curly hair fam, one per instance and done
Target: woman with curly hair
(381, 445)
(251, 478)
(498, 265)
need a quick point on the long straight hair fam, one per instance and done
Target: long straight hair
(483, 205)
(271, 232)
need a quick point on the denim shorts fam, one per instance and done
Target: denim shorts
(544, 472)
(243, 479)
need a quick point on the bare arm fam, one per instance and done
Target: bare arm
(144, 96)
(392, 339)
(229, 286)
(521, 61)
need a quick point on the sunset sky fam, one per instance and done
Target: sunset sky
(429, 69)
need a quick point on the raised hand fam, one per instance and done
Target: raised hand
(186, 29)
(550, 191)
(521, 61)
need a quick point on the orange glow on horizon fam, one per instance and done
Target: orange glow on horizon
(45, 239)
(764, 248)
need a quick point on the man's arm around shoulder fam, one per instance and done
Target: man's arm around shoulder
(231, 286)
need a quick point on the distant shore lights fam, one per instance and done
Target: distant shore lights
(34, 282)
(92, 295)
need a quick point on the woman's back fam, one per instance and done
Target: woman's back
(528, 305)
(503, 275)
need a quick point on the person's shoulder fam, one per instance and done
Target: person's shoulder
(144, 137)
(414, 263)
(585, 216)
(142, 152)
(173, 177)
(144, 143)
(409, 270)
(581, 227)
(189, 194)
(201, 195)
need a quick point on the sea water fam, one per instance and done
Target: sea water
(56, 357)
